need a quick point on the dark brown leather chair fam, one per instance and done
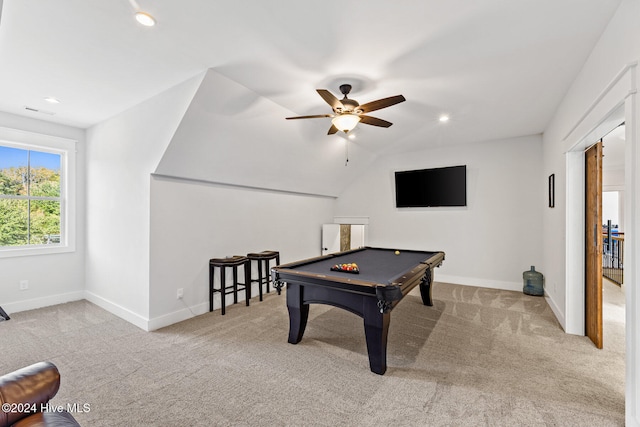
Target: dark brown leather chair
(24, 395)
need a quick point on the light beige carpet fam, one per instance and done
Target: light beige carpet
(478, 357)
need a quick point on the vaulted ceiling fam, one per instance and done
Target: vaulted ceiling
(498, 68)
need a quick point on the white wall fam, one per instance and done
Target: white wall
(610, 204)
(593, 106)
(488, 243)
(209, 129)
(122, 152)
(192, 222)
(237, 178)
(602, 94)
(53, 278)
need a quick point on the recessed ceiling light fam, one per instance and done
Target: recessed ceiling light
(444, 118)
(145, 19)
(52, 100)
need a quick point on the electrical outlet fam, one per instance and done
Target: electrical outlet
(180, 293)
(24, 285)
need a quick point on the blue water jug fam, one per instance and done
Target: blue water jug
(532, 282)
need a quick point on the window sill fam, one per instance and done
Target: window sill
(35, 250)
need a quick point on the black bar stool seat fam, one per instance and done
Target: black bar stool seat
(263, 258)
(232, 262)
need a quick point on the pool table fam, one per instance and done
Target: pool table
(384, 277)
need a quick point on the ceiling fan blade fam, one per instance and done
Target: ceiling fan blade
(381, 103)
(330, 99)
(317, 116)
(332, 130)
(374, 121)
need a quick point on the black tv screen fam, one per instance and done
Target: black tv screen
(432, 187)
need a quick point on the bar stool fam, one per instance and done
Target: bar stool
(264, 277)
(233, 262)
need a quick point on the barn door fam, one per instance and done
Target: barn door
(593, 243)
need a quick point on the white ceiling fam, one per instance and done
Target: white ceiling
(499, 68)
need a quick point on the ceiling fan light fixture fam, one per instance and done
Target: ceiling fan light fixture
(145, 19)
(345, 122)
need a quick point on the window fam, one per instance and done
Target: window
(36, 206)
(29, 197)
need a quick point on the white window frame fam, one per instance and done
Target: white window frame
(67, 150)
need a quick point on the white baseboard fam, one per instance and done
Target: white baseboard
(495, 284)
(556, 310)
(177, 316)
(480, 283)
(31, 304)
(115, 309)
(124, 313)
(189, 312)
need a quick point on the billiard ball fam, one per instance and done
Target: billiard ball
(397, 252)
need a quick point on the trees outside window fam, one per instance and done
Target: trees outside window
(30, 197)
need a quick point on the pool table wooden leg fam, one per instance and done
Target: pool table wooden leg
(298, 312)
(425, 287)
(376, 330)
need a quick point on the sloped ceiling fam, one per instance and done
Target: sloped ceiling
(221, 139)
(499, 68)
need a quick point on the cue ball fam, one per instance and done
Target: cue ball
(397, 252)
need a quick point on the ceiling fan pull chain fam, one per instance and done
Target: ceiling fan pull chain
(346, 152)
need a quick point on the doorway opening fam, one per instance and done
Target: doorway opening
(604, 233)
(613, 230)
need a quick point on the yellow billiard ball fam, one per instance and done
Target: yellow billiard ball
(397, 252)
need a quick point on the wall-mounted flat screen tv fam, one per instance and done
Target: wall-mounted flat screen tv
(431, 187)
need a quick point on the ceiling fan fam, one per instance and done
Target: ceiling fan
(348, 113)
